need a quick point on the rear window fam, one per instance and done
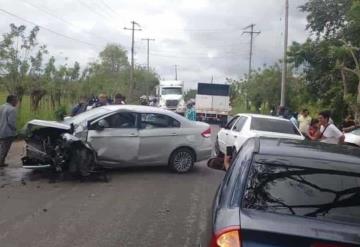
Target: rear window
(273, 125)
(325, 194)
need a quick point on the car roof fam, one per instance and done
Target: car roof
(137, 108)
(308, 149)
(261, 116)
(146, 109)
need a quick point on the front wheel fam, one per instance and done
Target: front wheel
(182, 160)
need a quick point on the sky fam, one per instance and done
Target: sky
(204, 38)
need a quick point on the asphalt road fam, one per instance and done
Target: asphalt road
(138, 207)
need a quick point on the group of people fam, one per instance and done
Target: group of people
(85, 104)
(323, 128)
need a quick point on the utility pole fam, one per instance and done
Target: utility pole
(176, 72)
(148, 52)
(251, 32)
(133, 29)
(284, 70)
(148, 61)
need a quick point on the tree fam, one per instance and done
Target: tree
(190, 94)
(16, 51)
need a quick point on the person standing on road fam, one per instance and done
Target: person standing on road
(119, 99)
(304, 121)
(7, 126)
(190, 112)
(328, 133)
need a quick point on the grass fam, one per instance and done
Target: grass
(25, 114)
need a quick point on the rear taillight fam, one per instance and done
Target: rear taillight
(207, 133)
(229, 237)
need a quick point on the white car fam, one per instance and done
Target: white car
(353, 137)
(245, 126)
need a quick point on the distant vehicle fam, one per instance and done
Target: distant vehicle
(288, 193)
(171, 96)
(244, 126)
(353, 138)
(118, 136)
(212, 102)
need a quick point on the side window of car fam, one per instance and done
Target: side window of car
(239, 124)
(154, 120)
(121, 120)
(237, 165)
(231, 123)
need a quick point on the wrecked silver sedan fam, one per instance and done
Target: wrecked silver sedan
(117, 136)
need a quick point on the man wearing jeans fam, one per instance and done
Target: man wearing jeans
(7, 126)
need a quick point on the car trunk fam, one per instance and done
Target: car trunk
(269, 229)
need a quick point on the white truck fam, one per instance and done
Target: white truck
(170, 95)
(212, 102)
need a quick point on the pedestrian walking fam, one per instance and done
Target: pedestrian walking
(190, 112)
(304, 121)
(7, 126)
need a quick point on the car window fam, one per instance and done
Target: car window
(231, 123)
(241, 159)
(88, 115)
(121, 120)
(152, 120)
(273, 125)
(304, 191)
(239, 124)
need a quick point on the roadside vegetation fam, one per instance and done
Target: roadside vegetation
(324, 71)
(47, 89)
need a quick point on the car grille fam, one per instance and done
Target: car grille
(172, 103)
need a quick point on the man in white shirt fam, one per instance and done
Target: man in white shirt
(304, 121)
(328, 131)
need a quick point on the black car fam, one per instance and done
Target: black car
(283, 193)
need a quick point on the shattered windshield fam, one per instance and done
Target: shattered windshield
(302, 191)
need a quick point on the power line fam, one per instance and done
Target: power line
(48, 29)
(48, 12)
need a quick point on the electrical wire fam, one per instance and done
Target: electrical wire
(48, 29)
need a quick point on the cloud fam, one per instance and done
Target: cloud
(203, 37)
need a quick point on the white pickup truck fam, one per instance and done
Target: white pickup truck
(212, 102)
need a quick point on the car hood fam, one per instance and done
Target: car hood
(48, 124)
(258, 133)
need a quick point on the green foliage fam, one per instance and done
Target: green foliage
(190, 94)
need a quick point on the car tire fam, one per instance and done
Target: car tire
(182, 160)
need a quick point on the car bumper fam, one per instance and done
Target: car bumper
(204, 152)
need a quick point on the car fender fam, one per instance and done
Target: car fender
(72, 140)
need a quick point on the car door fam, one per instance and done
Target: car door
(117, 139)
(237, 136)
(159, 135)
(224, 133)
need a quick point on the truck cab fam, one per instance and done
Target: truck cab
(170, 94)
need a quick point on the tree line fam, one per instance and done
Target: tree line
(27, 68)
(324, 71)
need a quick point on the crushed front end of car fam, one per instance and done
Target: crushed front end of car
(53, 145)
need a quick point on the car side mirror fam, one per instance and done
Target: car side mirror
(216, 163)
